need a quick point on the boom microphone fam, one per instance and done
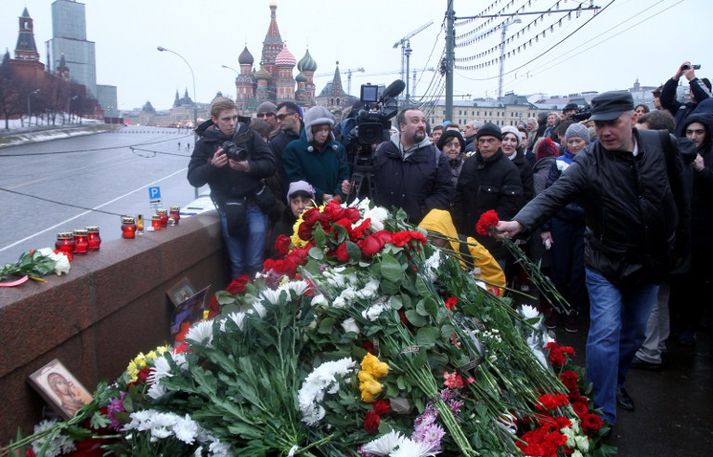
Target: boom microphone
(393, 90)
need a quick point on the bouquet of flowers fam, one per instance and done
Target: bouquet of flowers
(35, 264)
(362, 339)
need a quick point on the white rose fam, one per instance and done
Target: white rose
(349, 325)
(61, 265)
(45, 252)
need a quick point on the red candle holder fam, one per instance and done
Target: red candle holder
(163, 217)
(65, 243)
(128, 228)
(175, 213)
(94, 240)
(81, 241)
(156, 222)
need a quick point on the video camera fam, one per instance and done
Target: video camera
(582, 114)
(374, 119)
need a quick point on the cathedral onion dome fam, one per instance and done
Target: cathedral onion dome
(300, 78)
(245, 57)
(262, 74)
(307, 63)
(285, 58)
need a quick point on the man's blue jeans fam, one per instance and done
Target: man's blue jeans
(246, 254)
(617, 328)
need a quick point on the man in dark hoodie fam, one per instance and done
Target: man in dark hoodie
(235, 180)
(410, 172)
(700, 90)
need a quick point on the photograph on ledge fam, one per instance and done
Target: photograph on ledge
(189, 310)
(60, 388)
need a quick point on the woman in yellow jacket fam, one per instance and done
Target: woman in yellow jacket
(439, 222)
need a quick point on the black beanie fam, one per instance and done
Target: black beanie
(489, 129)
(447, 136)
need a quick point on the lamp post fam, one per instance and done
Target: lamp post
(195, 108)
(29, 106)
(230, 68)
(69, 107)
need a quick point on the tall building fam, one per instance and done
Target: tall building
(69, 38)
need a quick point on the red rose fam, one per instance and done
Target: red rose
(237, 285)
(311, 216)
(487, 222)
(382, 407)
(371, 422)
(282, 245)
(344, 222)
(305, 231)
(384, 236)
(370, 246)
(451, 303)
(592, 422)
(358, 232)
(352, 214)
(342, 253)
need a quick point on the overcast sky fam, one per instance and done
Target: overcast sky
(629, 39)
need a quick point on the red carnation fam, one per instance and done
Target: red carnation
(451, 303)
(569, 379)
(237, 285)
(382, 407)
(371, 422)
(282, 245)
(550, 401)
(592, 422)
(580, 408)
(342, 253)
(487, 222)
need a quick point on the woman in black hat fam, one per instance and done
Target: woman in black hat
(452, 144)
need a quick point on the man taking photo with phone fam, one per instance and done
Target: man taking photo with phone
(700, 90)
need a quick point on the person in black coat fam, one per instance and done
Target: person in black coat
(512, 138)
(487, 181)
(700, 91)
(410, 172)
(236, 182)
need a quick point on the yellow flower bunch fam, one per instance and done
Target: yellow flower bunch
(371, 370)
(142, 360)
(296, 240)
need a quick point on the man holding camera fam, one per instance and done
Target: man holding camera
(630, 184)
(410, 172)
(233, 160)
(700, 90)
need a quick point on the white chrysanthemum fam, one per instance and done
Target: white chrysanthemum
(272, 296)
(160, 370)
(201, 332)
(258, 309)
(59, 445)
(350, 325)
(162, 424)
(322, 379)
(384, 445)
(508, 422)
(219, 449)
(238, 318)
(529, 312)
(582, 443)
(185, 429)
(319, 300)
(410, 448)
(298, 287)
(373, 312)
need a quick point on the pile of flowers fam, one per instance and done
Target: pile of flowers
(34, 265)
(363, 339)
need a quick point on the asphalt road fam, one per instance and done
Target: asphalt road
(66, 184)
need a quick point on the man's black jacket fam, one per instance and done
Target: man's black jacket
(636, 208)
(226, 183)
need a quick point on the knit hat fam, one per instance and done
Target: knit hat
(577, 130)
(489, 129)
(266, 108)
(545, 147)
(512, 129)
(299, 186)
(317, 115)
(447, 136)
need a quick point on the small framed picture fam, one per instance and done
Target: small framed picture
(181, 291)
(190, 310)
(60, 388)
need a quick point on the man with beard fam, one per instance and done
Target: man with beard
(410, 172)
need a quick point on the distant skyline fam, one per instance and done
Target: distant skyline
(627, 40)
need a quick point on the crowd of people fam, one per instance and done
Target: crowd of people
(615, 208)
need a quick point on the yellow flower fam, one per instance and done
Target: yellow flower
(296, 240)
(369, 387)
(371, 364)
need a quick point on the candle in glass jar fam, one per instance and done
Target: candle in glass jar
(140, 224)
(65, 243)
(128, 228)
(81, 241)
(163, 217)
(94, 239)
(175, 213)
(156, 222)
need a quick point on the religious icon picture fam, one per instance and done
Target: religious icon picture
(181, 291)
(60, 388)
(190, 310)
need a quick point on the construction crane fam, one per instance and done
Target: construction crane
(349, 72)
(406, 50)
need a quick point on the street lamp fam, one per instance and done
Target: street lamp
(195, 108)
(230, 68)
(29, 109)
(193, 77)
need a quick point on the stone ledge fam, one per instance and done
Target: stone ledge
(111, 306)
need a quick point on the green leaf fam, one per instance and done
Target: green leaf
(391, 269)
(318, 234)
(353, 250)
(316, 253)
(389, 288)
(326, 326)
(431, 306)
(395, 302)
(422, 288)
(421, 308)
(415, 319)
(427, 337)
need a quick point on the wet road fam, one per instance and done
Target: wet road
(66, 184)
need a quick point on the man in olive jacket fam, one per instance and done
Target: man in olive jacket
(630, 184)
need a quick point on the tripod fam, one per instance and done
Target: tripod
(361, 183)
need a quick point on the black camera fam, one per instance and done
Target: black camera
(582, 114)
(235, 152)
(688, 67)
(374, 121)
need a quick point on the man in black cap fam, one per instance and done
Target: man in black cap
(488, 180)
(630, 184)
